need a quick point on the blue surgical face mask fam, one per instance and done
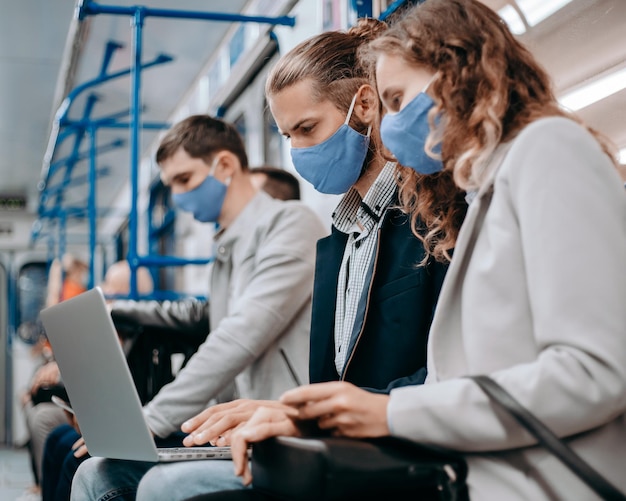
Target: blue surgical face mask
(335, 164)
(205, 201)
(404, 134)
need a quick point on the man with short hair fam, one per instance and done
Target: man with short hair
(261, 284)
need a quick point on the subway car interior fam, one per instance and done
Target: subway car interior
(87, 90)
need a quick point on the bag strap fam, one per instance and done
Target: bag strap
(549, 440)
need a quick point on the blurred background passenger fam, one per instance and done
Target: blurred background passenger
(58, 462)
(278, 183)
(66, 279)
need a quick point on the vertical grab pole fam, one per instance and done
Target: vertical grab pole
(91, 204)
(137, 25)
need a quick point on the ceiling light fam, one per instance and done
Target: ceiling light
(536, 11)
(513, 20)
(595, 91)
(621, 156)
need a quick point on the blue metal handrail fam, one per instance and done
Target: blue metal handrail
(138, 15)
(89, 8)
(64, 127)
(61, 114)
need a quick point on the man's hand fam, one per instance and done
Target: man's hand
(265, 423)
(216, 424)
(79, 448)
(341, 407)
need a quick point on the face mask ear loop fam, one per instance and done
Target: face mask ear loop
(429, 82)
(212, 173)
(350, 110)
(213, 167)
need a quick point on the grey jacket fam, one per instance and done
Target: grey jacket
(538, 304)
(261, 287)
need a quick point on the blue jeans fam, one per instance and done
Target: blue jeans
(59, 463)
(99, 479)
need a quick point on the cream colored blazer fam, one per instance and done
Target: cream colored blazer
(540, 305)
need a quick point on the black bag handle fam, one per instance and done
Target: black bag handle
(549, 440)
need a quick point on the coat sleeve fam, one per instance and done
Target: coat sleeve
(186, 318)
(279, 287)
(571, 215)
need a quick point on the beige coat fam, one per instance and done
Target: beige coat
(260, 314)
(540, 305)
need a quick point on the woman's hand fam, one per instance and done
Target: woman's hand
(338, 406)
(216, 424)
(341, 407)
(265, 423)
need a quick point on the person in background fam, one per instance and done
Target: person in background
(376, 281)
(66, 278)
(58, 461)
(278, 183)
(261, 284)
(535, 293)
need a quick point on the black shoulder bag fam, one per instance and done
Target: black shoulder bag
(340, 468)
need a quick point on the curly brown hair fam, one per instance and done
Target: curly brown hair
(487, 87)
(331, 62)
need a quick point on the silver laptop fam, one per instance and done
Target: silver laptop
(100, 386)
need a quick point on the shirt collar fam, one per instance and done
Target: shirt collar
(369, 210)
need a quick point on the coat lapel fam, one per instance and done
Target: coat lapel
(446, 358)
(322, 347)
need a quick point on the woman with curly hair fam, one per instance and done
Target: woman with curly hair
(535, 293)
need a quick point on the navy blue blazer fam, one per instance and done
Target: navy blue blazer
(388, 346)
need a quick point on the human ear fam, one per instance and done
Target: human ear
(367, 104)
(226, 165)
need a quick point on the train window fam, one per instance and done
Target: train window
(31, 295)
(236, 46)
(121, 242)
(162, 218)
(240, 124)
(332, 18)
(3, 348)
(272, 140)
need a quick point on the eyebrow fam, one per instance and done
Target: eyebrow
(179, 175)
(387, 91)
(296, 126)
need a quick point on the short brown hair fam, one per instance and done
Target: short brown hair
(202, 136)
(279, 184)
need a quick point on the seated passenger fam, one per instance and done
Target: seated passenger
(535, 293)
(377, 276)
(260, 285)
(59, 462)
(156, 330)
(66, 279)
